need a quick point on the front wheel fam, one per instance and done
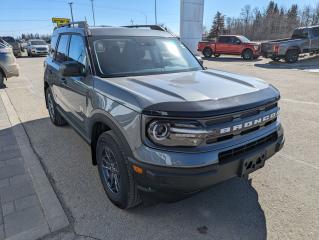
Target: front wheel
(207, 52)
(292, 56)
(116, 175)
(1, 79)
(248, 54)
(55, 116)
(275, 59)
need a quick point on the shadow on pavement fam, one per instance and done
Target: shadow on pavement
(229, 210)
(308, 63)
(230, 59)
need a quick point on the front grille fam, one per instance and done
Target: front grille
(41, 49)
(236, 152)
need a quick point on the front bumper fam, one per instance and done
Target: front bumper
(189, 180)
(39, 52)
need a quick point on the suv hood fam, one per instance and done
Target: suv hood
(201, 93)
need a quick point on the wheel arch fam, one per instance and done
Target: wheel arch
(99, 123)
(246, 49)
(293, 48)
(3, 71)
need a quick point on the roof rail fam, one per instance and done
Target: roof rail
(153, 27)
(78, 24)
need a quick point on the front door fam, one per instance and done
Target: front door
(76, 89)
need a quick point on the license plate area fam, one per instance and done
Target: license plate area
(252, 164)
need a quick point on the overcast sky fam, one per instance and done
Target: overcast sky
(18, 16)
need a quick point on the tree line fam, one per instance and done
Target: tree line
(271, 23)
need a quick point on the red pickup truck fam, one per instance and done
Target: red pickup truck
(231, 45)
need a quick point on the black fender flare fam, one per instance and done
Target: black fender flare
(100, 116)
(294, 48)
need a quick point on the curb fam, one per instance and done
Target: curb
(52, 209)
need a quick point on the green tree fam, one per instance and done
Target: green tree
(218, 26)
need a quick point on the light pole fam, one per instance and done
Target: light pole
(145, 17)
(71, 3)
(155, 12)
(93, 12)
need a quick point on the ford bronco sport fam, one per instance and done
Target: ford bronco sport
(155, 118)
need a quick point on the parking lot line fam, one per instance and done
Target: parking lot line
(300, 102)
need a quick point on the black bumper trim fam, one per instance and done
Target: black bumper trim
(189, 180)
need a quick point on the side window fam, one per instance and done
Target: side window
(77, 49)
(54, 40)
(62, 54)
(224, 39)
(315, 32)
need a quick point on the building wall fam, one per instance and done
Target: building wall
(191, 23)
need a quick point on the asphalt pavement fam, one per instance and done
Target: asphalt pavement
(280, 203)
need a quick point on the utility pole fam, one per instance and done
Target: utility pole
(93, 12)
(155, 12)
(145, 17)
(132, 21)
(71, 3)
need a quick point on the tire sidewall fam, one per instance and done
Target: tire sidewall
(1, 79)
(247, 54)
(292, 56)
(207, 52)
(110, 140)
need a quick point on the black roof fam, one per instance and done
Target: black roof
(136, 30)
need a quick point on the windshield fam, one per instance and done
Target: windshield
(127, 56)
(300, 33)
(243, 39)
(38, 42)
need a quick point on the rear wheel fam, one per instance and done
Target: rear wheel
(55, 116)
(292, 56)
(115, 173)
(1, 79)
(275, 59)
(207, 52)
(247, 54)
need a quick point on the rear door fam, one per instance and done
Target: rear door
(60, 57)
(222, 44)
(76, 89)
(315, 39)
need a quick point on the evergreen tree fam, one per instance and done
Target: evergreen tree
(218, 26)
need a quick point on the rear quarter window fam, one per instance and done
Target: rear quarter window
(53, 44)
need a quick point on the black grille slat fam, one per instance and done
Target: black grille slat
(229, 154)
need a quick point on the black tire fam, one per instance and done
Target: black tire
(116, 175)
(1, 79)
(292, 56)
(247, 54)
(216, 55)
(55, 116)
(275, 59)
(207, 52)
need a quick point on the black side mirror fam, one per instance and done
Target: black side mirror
(200, 60)
(72, 69)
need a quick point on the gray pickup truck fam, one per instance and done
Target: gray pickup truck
(303, 40)
(157, 121)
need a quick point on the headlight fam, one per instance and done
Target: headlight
(256, 47)
(175, 134)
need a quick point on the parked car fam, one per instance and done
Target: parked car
(8, 66)
(37, 47)
(155, 118)
(303, 40)
(15, 45)
(231, 45)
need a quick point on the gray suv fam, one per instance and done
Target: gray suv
(157, 121)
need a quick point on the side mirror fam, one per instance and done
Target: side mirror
(238, 42)
(200, 60)
(72, 69)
